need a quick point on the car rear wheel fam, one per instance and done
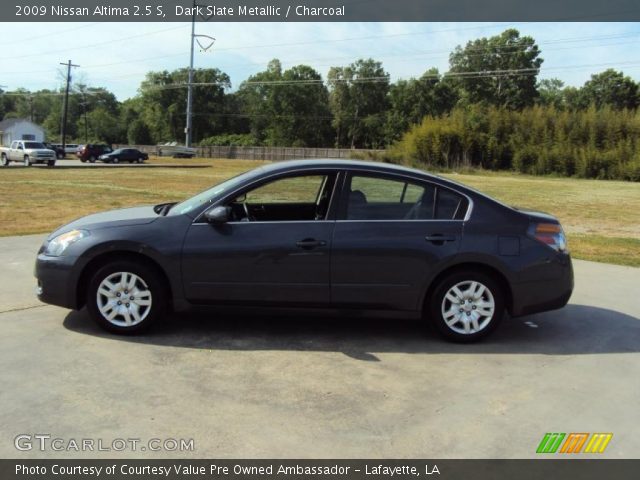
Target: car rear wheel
(140, 160)
(466, 306)
(3, 160)
(115, 160)
(126, 297)
(60, 155)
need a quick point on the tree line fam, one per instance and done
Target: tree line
(488, 110)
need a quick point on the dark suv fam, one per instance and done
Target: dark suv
(92, 151)
(56, 148)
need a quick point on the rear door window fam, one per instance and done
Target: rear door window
(388, 198)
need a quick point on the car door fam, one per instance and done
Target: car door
(390, 233)
(127, 155)
(274, 250)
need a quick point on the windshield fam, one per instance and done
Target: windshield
(33, 145)
(120, 150)
(209, 194)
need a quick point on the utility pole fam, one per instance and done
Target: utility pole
(189, 128)
(66, 103)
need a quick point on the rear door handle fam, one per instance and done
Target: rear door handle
(439, 239)
(309, 243)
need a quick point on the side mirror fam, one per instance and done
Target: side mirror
(218, 215)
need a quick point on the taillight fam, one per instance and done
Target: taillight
(550, 234)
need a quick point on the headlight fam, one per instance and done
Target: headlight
(58, 245)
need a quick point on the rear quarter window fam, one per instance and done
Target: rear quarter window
(450, 205)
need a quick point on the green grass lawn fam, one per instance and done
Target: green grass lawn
(601, 218)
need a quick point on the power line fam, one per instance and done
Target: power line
(54, 52)
(29, 38)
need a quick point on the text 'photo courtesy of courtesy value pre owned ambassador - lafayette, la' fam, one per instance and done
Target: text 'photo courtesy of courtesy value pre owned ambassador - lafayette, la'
(324, 235)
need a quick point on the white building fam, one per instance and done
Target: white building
(20, 129)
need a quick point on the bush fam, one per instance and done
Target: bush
(231, 139)
(592, 143)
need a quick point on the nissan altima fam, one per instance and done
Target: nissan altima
(333, 236)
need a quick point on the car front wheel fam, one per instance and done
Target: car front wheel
(466, 306)
(126, 297)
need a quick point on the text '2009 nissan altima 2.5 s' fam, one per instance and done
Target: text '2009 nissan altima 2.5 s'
(338, 236)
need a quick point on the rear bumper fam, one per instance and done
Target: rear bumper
(545, 291)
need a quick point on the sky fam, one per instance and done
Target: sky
(116, 56)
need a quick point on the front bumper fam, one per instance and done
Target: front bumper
(57, 280)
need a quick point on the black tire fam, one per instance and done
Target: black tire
(60, 156)
(27, 161)
(151, 280)
(115, 160)
(51, 163)
(469, 309)
(4, 161)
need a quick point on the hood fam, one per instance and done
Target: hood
(112, 218)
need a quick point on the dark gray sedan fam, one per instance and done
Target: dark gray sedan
(324, 235)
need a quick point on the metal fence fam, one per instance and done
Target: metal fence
(268, 153)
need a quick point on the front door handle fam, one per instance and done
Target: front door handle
(439, 239)
(309, 243)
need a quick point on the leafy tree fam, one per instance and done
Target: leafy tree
(610, 88)
(551, 92)
(163, 103)
(289, 108)
(103, 126)
(499, 70)
(358, 100)
(138, 133)
(256, 98)
(411, 100)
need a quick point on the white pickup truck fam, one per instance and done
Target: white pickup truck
(27, 152)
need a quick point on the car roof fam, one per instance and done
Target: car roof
(344, 164)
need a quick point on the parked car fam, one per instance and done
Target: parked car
(27, 152)
(327, 235)
(71, 148)
(92, 151)
(130, 155)
(56, 148)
